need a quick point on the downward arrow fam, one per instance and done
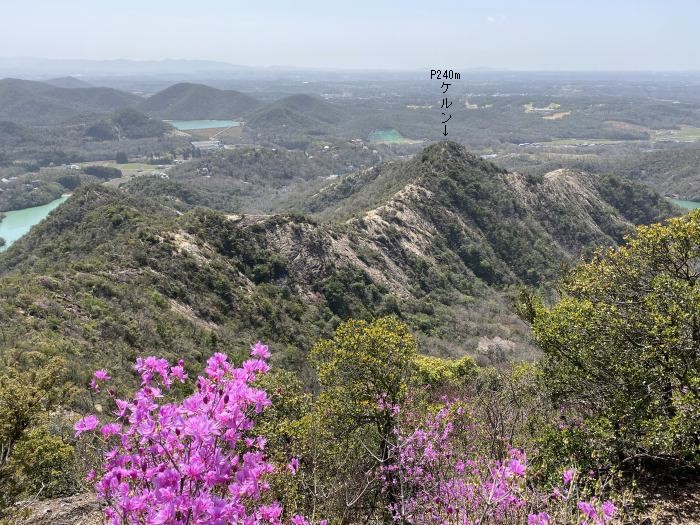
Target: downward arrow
(445, 132)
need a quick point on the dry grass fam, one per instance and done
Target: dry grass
(82, 509)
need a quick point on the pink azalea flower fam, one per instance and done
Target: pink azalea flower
(122, 406)
(86, 424)
(516, 467)
(568, 476)
(201, 428)
(587, 509)
(271, 512)
(178, 372)
(609, 510)
(293, 465)
(110, 429)
(260, 350)
(541, 518)
(102, 375)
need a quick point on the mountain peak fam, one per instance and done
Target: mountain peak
(446, 147)
(447, 151)
(188, 101)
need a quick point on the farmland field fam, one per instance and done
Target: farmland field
(684, 134)
(579, 142)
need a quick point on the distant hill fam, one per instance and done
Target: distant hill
(98, 99)
(21, 85)
(38, 103)
(670, 171)
(296, 121)
(196, 101)
(311, 106)
(127, 123)
(301, 113)
(254, 179)
(25, 102)
(68, 82)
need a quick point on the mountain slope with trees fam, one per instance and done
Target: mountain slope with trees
(437, 250)
(187, 101)
(41, 104)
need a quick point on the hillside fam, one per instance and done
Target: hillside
(25, 102)
(255, 179)
(13, 134)
(503, 226)
(126, 123)
(196, 101)
(296, 118)
(310, 107)
(37, 103)
(108, 274)
(670, 171)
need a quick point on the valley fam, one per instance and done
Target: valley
(299, 155)
(438, 239)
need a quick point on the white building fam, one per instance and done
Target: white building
(207, 145)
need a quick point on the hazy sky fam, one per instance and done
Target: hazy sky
(397, 34)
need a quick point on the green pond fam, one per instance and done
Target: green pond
(686, 205)
(387, 136)
(18, 222)
(184, 125)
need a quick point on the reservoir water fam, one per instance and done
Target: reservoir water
(686, 205)
(17, 223)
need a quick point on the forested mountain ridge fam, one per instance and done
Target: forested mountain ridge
(38, 103)
(187, 101)
(503, 226)
(49, 103)
(125, 274)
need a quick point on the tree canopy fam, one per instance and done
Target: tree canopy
(624, 343)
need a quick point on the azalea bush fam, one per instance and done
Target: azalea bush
(195, 461)
(224, 455)
(438, 475)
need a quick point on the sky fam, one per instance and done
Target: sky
(363, 34)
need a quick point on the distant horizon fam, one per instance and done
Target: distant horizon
(507, 35)
(273, 67)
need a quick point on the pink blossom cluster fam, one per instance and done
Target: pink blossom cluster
(190, 462)
(197, 461)
(438, 476)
